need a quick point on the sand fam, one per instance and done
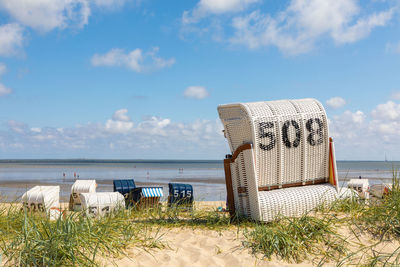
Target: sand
(186, 246)
(200, 247)
(194, 247)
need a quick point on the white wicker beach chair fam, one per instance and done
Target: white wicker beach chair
(80, 186)
(41, 198)
(283, 161)
(99, 204)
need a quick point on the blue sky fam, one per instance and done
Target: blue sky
(142, 79)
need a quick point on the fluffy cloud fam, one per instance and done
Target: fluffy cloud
(46, 15)
(120, 122)
(135, 60)
(362, 27)
(196, 92)
(303, 23)
(3, 68)
(3, 89)
(357, 135)
(388, 111)
(396, 96)
(207, 7)
(336, 102)
(109, 3)
(36, 130)
(11, 39)
(295, 29)
(360, 135)
(17, 127)
(152, 137)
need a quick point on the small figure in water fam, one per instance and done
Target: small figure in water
(75, 175)
(359, 177)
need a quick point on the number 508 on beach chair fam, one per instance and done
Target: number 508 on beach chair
(282, 162)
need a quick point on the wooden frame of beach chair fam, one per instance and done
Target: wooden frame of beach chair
(282, 163)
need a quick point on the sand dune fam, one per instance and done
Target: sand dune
(194, 247)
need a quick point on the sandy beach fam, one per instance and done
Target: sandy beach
(190, 246)
(193, 247)
(199, 245)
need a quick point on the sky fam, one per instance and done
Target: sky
(142, 79)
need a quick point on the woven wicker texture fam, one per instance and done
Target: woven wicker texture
(295, 201)
(290, 145)
(290, 138)
(101, 203)
(42, 198)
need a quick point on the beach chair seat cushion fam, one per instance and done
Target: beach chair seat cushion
(294, 201)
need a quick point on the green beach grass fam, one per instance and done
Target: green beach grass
(32, 239)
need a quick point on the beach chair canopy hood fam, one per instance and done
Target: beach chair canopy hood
(152, 192)
(124, 186)
(81, 186)
(289, 137)
(290, 146)
(84, 186)
(42, 198)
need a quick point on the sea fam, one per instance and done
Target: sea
(206, 176)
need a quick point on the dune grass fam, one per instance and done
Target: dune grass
(193, 217)
(28, 239)
(31, 239)
(294, 239)
(382, 218)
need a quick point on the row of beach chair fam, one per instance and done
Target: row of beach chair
(85, 198)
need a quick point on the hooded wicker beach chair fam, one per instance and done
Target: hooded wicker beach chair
(282, 162)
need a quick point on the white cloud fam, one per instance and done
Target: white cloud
(387, 111)
(360, 135)
(153, 137)
(197, 92)
(4, 90)
(335, 102)
(46, 15)
(395, 96)
(357, 135)
(11, 39)
(154, 126)
(207, 7)
(3, 68)
(121, 115)
(297, 29)
(36, 129)
(17, 127)
(109, 3)
(135, 60)
(120, 122)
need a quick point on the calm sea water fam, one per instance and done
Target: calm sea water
(207, 177)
